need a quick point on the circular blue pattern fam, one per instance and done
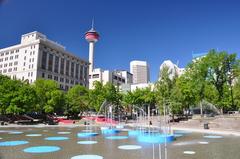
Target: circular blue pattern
(41, 149)
(33, 135)
(129, 147)
(213, 137)
(116, 137)
(110, 131)
(182, 132)
(87, 134)
(13, 143)
(15, 132)
(178, 135)
(56, 138)
(154, 139)
(87, 157)
(87, 142)
(134, 133)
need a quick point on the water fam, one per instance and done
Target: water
(203, 148)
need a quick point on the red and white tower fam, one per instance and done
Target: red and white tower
(92, 37)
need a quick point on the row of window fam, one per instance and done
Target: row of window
(8, 70)
(10, 58)
(61, 79)
(9, 64)
(63, 64)
(9, 52)
(119, 79)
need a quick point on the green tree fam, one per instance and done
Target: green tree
(45, 90)
(77, 100)
(167, 94)
(96, 96)
(16, 96)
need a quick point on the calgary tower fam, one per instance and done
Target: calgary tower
(92, 37)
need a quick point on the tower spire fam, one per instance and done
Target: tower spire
(93, 23)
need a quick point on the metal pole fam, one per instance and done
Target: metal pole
(153, 152)
(160, 151)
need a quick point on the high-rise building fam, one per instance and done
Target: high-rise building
(140, 71)
(173, 69)
(38, 57)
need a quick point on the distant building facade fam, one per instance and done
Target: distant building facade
(38, 57)
(117, 78)
(173, 69)
(140, 72)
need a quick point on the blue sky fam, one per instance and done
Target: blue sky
(151, 30)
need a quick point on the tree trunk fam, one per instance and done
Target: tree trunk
(201, 109)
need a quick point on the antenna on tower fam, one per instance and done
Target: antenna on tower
(93, 23)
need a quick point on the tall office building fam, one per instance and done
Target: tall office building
(140, 71)
(38, 57)
(173, 69)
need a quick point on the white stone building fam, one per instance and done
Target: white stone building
(106, 76)
(173, 69)
(140, 71)
(38, 57)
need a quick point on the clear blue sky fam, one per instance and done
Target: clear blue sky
(151, 30)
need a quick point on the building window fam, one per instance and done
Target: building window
(6, 58)
(67, 81)
(15, 63)
(10, 64)
(2, 54)
(49, 76)
(11, 57)
(61, 79)
(25, 51)
(77, 71)
(0, 71)
(50, 62)
(15, 69)
(10, 70)
(56, 64)
(43, 75)
(25, 57)
(0, 66)
(62, 66)
(5, 70)
(24, 64)
(66, 88)
(16, 56)
(67, 67)
(72, 69)
(7, 53)
(44, 60)
(17, 51)
(32, 59)
(56, 78)
(81, 72)
(85, 73)
(31, 74)
(5, 65)
(96, 76)
(28, 74)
